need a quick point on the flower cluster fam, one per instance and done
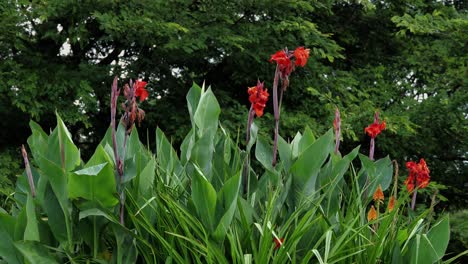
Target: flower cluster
(284, 62)
(258, 96)
(132, 111)
(418, 175)
(379, 198)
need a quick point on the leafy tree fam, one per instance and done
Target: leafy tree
(407, 60)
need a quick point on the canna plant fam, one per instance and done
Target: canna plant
(128, 204)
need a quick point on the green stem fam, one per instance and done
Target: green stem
(95, 239)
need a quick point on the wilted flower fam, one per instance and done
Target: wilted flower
(378, 195)
(372, 215)
(258, 98)
(418, 175)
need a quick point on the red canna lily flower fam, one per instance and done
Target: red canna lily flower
(378, 195)
(140, 90)
(374, 129)
(283, 60)
(278, 242)
(258, 98)
(418, 175)
(302, 55)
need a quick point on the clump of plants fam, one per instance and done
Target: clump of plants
(303, 201)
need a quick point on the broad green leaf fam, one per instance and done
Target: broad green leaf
(31, 231)
(55, 216)
(202, 154)
(126, 250)
(207, 114)
(187, 146)
(430, 247)
(332, 182)
(167, 157)
(7, 248)
(264, 153)
(309, 162)
(34, 252)
(439, 236)
(57, 178)
(204, 198)
(91, 171)
(295, 145)
(253, 136)
(38, 141)
(193, 97)
(285, 153)
(307, 139)
(61, 149)
(96, 182)
(146, 183)
(228, 199)
(378, 172)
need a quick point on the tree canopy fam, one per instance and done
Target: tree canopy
(405, 59)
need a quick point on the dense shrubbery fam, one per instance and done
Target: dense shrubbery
(189, 206)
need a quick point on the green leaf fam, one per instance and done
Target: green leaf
(31, 231)
(34, 252)
(38, 141)
(253, 136)
(96, 182)
(61, 149)
(285, 153)
(207, 114)
(167, 157)
(264, 153)
(228, 199)
(309, 162)
(307, 139)
(378, 172)
(56, 217)
(204, 198)
(439, 236)
(202, 154)
(193, 97)
(430, 247)
(7, 248)
(146, 183)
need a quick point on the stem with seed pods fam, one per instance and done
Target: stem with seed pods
(118, 161)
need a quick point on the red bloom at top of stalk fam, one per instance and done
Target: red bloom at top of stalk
(375, 128)
(302, 55)
(258, 98)
(281, 58)
(337, 121)
(418, 175)
(140, 90)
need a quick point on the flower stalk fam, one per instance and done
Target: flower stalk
(28, 171)
(337, 126)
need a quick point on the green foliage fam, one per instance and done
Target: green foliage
(193, 209)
